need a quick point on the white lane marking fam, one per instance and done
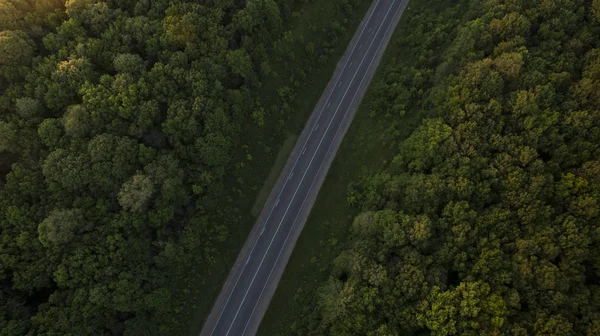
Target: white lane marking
(294, 166)
(263, 230)
(328, 105)
(351, 64)
(310, 188)
(340, 84)
(291, 175)
(370, 29)
(304, 175)
(247, 260)
(316, 127)
(303, 151)
(360, 47)
(277, 202)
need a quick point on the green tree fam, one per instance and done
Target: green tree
(9, 15)
(16, 48)
(60, 227)
(135, 193)
(76, 121)
(596, 9)
(8, 137)
(509, 65)
(67, 78)
(50, 131)
(511, 25)
(240, 63)
(28, 107)
(482, 223)
(96, 15)
(128, 63)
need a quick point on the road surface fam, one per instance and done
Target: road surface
(254, 277)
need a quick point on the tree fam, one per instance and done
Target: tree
(50, 131)
(240, 63)
(596, 9)
(67, 79)
(60, 227)
(181, 29)
(260, 18)
(8, 137)
(16, 48)
(509, 65)
(182, 123)
(95, 15)
(135, 193)
(128, 63)
(28, 107)
(76, 121)
(511, 25)
(9, 15)
(482, 223)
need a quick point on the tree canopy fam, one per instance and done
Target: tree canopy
(119, 122)
(486, 220)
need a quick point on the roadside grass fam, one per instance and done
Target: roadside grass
(280, 160)
(365, 149)
(257, 165)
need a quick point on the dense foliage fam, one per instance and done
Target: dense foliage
(486, 221)
(118, 124)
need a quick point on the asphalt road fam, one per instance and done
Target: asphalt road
(235, 311)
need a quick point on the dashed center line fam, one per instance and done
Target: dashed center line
(303, 151)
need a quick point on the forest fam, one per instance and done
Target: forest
(125, 151)
(485, 220)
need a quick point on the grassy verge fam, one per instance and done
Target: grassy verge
(369, 143)
(280, 160)
(197, 283)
